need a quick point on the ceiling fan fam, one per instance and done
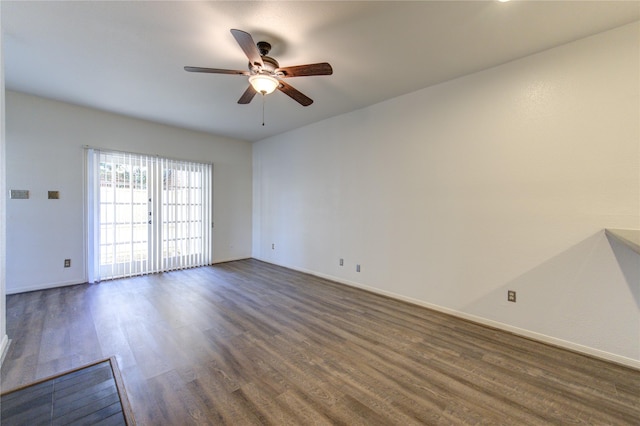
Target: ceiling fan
(265, 74)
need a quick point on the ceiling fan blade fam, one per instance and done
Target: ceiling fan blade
(215, 70)
(247, 96)
(322, 68)
(294, 94)
(248, 46)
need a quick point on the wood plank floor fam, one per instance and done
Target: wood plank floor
(251, 343)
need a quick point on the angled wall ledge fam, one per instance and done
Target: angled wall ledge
(628, 237)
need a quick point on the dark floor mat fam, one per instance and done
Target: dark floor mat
(91, 395)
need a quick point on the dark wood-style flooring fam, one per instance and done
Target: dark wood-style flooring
(251, 343)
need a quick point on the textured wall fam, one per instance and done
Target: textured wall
(450, 196)
(45, 142)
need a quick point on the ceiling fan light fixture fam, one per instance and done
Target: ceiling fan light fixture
(263, 83)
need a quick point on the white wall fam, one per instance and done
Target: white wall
(4, 340)
(450, 196)
(44, 144)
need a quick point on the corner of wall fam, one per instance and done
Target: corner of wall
(453, 216)
(4, 340)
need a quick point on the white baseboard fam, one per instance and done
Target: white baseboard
(550, 340)
(597, 353)
(47, 286)
(43, 286)
(231, 259)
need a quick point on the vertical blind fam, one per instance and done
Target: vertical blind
(146, 214)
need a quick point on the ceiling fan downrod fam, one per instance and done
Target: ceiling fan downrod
(263, 93)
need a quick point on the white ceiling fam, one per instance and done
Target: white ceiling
(128, 57)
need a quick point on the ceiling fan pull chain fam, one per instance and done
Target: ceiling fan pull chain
(262, 109)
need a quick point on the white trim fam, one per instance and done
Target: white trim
(231, 259)
(564, 344)
(46, 286)
(607, 356)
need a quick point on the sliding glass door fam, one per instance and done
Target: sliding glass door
(146, 214)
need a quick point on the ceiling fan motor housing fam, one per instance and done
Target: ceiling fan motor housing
(270, 64)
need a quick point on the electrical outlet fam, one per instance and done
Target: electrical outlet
(357, 268)
(67, 263)
(341, 262)
(511, 296)
(273, 246)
